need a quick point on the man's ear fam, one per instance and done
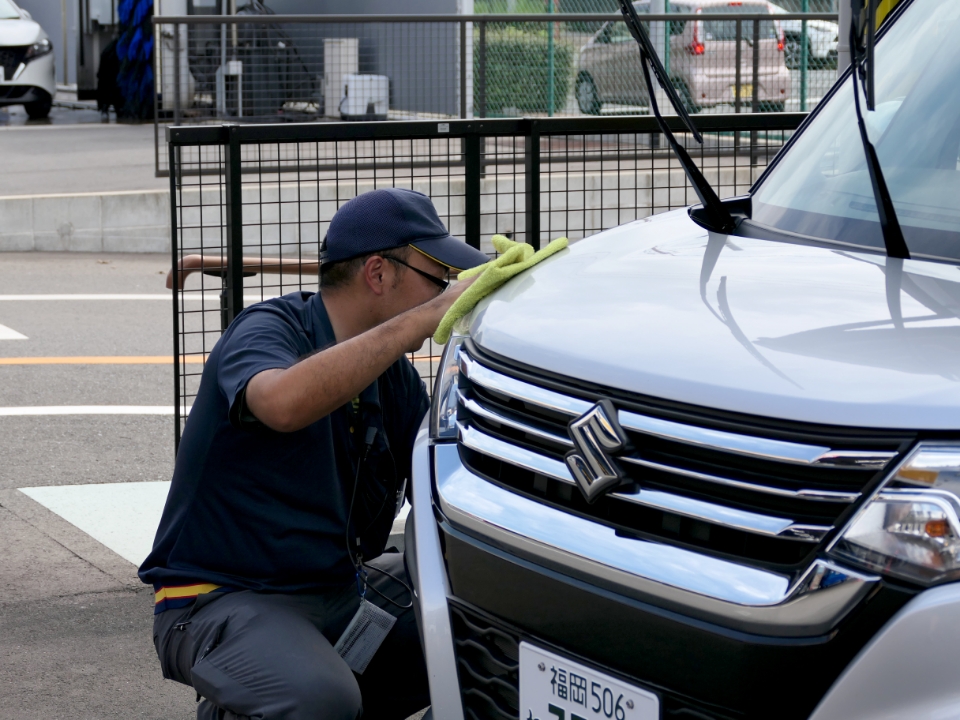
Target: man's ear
(373, 274)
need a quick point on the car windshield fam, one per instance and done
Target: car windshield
(821, 186)
(8, 11)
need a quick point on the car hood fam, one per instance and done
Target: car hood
(663, 308)
(19, 32)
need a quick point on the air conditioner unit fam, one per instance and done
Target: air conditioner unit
(365, 97)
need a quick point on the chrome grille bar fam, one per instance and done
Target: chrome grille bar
(722, 515)
(764, 448)
(520, 390)
(832, 496)
(478, 410)
(719, 440)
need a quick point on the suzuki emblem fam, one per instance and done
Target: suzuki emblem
(597, 436)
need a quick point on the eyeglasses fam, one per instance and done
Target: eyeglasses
(442, 284)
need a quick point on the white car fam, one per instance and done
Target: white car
(823, 38)
(27, 71)
(695, 468)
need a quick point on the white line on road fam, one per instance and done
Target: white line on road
(10, 334)
(122, 516)
(65, 297)
(89, 410)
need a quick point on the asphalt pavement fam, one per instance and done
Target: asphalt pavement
(45, 159)
(75, 622)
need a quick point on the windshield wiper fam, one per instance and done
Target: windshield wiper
(715, 215)
(862, 38)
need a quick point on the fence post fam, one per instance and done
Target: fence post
(531, 184)
(463, 68)
(550, 65)
(176, 74)
(156, 63)
(233, 280)
(803, 58)
(173, 159)
(737, 83)
(756, 89)
(739, 78)
(471, 188)
(481, 110)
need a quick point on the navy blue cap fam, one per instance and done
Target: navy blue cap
(393, 218)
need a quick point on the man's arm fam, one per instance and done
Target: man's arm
(291, 399)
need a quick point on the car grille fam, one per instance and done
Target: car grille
(762, 490)
(488, 666)
(10, 59)
(488, 657)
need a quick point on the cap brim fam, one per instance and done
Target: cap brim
(453, 253)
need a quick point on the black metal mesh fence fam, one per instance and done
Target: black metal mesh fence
(724, 57)
(247, 231)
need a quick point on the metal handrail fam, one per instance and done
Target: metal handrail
(178, 135)
(478, 18)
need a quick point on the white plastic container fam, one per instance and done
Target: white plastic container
(365, 97)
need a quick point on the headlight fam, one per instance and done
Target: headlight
(443, 408)
(41, 47)
(911, 528)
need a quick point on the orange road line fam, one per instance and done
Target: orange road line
(102, 360)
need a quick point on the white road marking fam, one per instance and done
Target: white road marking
(10, 334)
(122, 516)
(90, 410)
(69, 297)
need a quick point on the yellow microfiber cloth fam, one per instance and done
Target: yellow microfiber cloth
(514, 258)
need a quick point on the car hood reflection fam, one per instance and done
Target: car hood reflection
(659, 308)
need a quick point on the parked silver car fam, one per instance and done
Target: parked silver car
(708, 467)
(702, 60)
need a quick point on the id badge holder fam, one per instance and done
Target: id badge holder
(365, 633)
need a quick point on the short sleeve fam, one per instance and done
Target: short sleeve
(261, 340)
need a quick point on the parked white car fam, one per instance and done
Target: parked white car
(27, 71)
(823, 38)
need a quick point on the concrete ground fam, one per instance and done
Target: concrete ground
(75, 623)
(77, 158)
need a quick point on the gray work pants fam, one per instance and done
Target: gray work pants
(271, 657)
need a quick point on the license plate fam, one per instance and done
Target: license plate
(746, 91)
(555, 688)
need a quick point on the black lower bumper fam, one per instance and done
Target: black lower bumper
(20, 94)
(700, 670)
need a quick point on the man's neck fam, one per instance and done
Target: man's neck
(349, 315)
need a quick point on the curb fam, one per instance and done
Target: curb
(130, 221)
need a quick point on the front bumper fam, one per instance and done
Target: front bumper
(480, 594)
(30, 82)
(718, 88)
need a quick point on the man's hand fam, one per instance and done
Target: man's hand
(432, 312)
(291, 399)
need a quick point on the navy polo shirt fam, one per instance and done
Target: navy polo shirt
(252, 508)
